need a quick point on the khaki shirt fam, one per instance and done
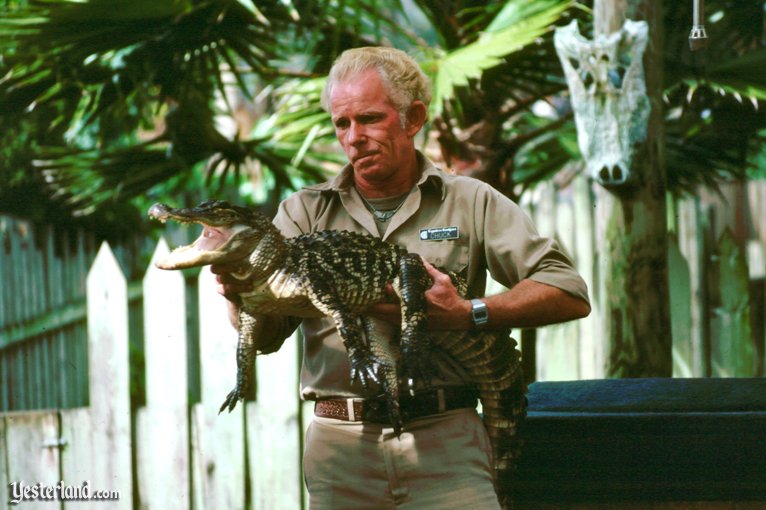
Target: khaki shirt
(493, 234)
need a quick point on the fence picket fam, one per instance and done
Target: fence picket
(219, 452)
(77, 455)
(43, 355)
(166, 441)
(691, 248)
(591, 341)
(4, 480)
(680, 302)
(5, 268)
(274, 430)
(26, 434)
(732, 351)
(109, 378)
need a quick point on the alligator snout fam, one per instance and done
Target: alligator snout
(159, 212)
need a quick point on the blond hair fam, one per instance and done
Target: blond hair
(401, 75)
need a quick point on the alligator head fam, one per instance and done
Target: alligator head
(608, 91)
(229, 233)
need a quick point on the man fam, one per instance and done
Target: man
(378, 99)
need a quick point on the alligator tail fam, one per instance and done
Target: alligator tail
(494, 365)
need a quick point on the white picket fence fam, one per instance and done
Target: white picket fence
(182, 456)
(177, 452)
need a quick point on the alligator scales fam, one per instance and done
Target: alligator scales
(339, 274)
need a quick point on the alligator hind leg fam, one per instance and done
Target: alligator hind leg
(411, 284)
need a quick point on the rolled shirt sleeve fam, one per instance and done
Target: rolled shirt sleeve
(514, 250)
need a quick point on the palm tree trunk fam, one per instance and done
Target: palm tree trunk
(635, 294)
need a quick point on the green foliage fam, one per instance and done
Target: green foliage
(108, 101)
(518, 24)
(757, 167)
(714, 98)
(107, 67)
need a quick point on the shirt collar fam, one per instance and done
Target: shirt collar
(429, 175)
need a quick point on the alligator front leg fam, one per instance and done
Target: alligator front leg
(383, 350)
(245, 361)
(411, 284)
(365, 366)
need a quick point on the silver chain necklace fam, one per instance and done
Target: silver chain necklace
(383, 216)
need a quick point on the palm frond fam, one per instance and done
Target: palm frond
(115, 48)
(301, 131)
(744, 78)
(709, 137)
(510, 34)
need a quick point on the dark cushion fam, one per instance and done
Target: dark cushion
(645, 439)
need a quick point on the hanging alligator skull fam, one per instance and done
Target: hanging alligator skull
(608, 93)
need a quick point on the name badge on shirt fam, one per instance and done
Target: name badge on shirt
(439, 234)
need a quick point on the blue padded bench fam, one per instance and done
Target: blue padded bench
(645, 439)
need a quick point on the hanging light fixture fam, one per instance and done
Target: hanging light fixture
(698, 37)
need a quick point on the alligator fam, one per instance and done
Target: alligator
(328, 273)
(339, 274)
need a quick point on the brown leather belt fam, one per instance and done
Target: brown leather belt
(424, 403)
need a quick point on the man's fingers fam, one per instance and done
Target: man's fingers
(227, 285)
(435, 274)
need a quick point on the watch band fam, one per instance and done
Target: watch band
(479, 312)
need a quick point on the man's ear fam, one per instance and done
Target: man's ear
(417, 114)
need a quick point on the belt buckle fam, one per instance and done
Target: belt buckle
(350, 408)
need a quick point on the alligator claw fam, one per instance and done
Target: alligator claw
(367, 369)
(232, 398)
(368, 376)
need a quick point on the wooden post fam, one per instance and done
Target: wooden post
(164, 442)
(109, 379)
(636, 303)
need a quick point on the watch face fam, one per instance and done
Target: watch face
(479, 312)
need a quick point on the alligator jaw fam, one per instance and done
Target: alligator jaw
(163, 213)
(199, 253)
(212, 246)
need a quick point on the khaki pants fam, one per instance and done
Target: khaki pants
(440, 462)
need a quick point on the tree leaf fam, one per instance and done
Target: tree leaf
(518, 27)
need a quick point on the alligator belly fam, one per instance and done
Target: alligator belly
(264, 303)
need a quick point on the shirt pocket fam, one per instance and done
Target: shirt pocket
(451, 255)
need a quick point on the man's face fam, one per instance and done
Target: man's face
(369, 128)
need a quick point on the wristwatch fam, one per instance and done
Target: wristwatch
(479, 312)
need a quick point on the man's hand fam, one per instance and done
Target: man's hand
(528, 304)
(446, 309)
(227, 285)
